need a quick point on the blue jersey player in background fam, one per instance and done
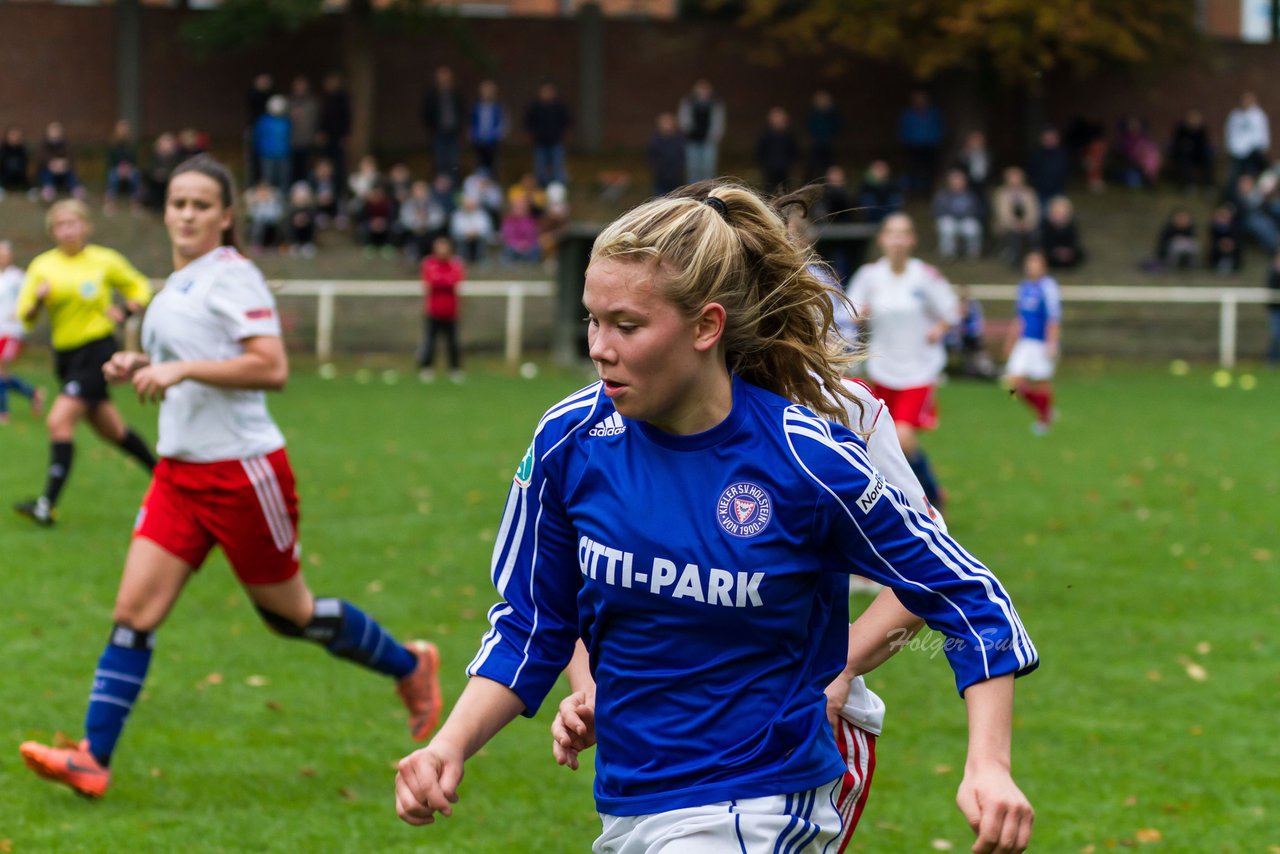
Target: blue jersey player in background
(689, 516)
(1031, 349)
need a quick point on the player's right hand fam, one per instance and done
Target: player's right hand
(122, 366)
(43, 289)
(427, 783)
(574, 729)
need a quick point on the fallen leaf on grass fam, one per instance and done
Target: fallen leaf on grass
(212, 679)
(6, 845)
(306, 771)
(1260, 555)
(1147, 835)
(374, 586)
(941, 845)
(1154, 676)
(274, 705)
(314, 559)
(1089, 849)
(1195, 671)
(1196, 730)
(1132, 800)
(256, 681)
(1203, 648)
(942, 769)
(156, 772)
(349, 794)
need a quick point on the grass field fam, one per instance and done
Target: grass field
(1138, 541)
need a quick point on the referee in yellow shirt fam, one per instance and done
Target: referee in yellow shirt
(74, 282)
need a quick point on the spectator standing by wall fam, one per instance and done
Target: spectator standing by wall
(777, 151)
(1273, 310)
(666, 155)
(15, 161)
(272, 135)
(548, 121)
(304, 123)
(260, 92)
(921, 132)
(701, 116)
(1050, 166)
(1190, 152)
(975, 161)
(880, 194)
(1248, 138)
(335, 127)
(488, 127)
(443, 116)
(823, 125)
(123, 175)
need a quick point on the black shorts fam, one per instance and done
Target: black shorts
(80, 369)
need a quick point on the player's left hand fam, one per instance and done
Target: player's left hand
(116, 314)
(152, 381)
(837, 695)
(574, 729)
(427, 782)
(1000, 815)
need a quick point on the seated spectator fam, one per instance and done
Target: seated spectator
(56, 174)
(327, 195)
(482, 187)
(1249, 198)
(123, 174)
(360, 182)
(966, 340)
(302, 220)
(422, 219)
(1059, 237)
(374, 220)
(554, 219)
(1017, 216)
(266, 216)
(836, 203)
(1190, 153)
(520, 234)
(14, 161)
(1177, 248)
(880, 193)
(1138, 153)
(1226, 250)
(399, 183)
(191, 142)
(974, 160)
(666, 155)
(471, 230)
(444, 194)
(1087, 142)
(531, 191)
(164, 159)
(957, 213)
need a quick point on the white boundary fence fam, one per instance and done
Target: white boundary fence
(327, 291)
(1227, 299)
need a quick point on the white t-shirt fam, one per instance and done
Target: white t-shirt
(204, 312)
(10, 285)
(900, 311)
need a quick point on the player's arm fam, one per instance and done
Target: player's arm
(1012, 335)
(132, 285)
(35, 290)
(123, 365)
(574, 727)
(1051, 332)
(262, 366)
(1053, 328)
(427, 779)
(996, 809)
(885, 627)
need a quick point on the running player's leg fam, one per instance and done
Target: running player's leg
(109, 424)
(152, 581)
(257, 530)
(61, 423)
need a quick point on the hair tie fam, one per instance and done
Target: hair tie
(718, 206)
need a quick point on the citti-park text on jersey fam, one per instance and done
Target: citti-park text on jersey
(671, 578)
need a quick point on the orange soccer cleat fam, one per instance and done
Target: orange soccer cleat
(73, 766)
(420, 690)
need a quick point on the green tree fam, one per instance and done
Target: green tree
(1016, 40)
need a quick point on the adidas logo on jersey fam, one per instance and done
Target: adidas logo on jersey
(611, 426)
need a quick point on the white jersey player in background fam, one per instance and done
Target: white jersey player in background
(909, 307)
(12, 334)
(213, 348)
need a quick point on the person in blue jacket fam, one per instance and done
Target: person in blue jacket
(689, 516)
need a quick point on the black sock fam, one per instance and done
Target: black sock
(60, 454)
(133, 445)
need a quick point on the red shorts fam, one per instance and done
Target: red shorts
(915, 406)
(10, 349)
(858, 749)
(249, 507)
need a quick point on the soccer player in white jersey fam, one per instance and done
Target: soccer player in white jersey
(1031, 348)
(213, 348)
(701, 550)
(12, 334)
(909, 307)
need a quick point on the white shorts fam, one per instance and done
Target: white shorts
(1030, 359)
(804, 823)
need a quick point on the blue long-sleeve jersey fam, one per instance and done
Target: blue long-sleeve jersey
(705, 574)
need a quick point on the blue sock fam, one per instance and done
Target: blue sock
(19, 385)
(121, 671)
(924, 472)
(4, 396)
(360, 638)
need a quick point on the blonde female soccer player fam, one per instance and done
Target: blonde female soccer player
(696, 528)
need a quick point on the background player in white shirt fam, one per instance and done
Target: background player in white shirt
(213, 348)
(909, 307)
(12, 334)
(704, 326)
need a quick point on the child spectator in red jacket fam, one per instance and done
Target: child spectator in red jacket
(442, 273)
